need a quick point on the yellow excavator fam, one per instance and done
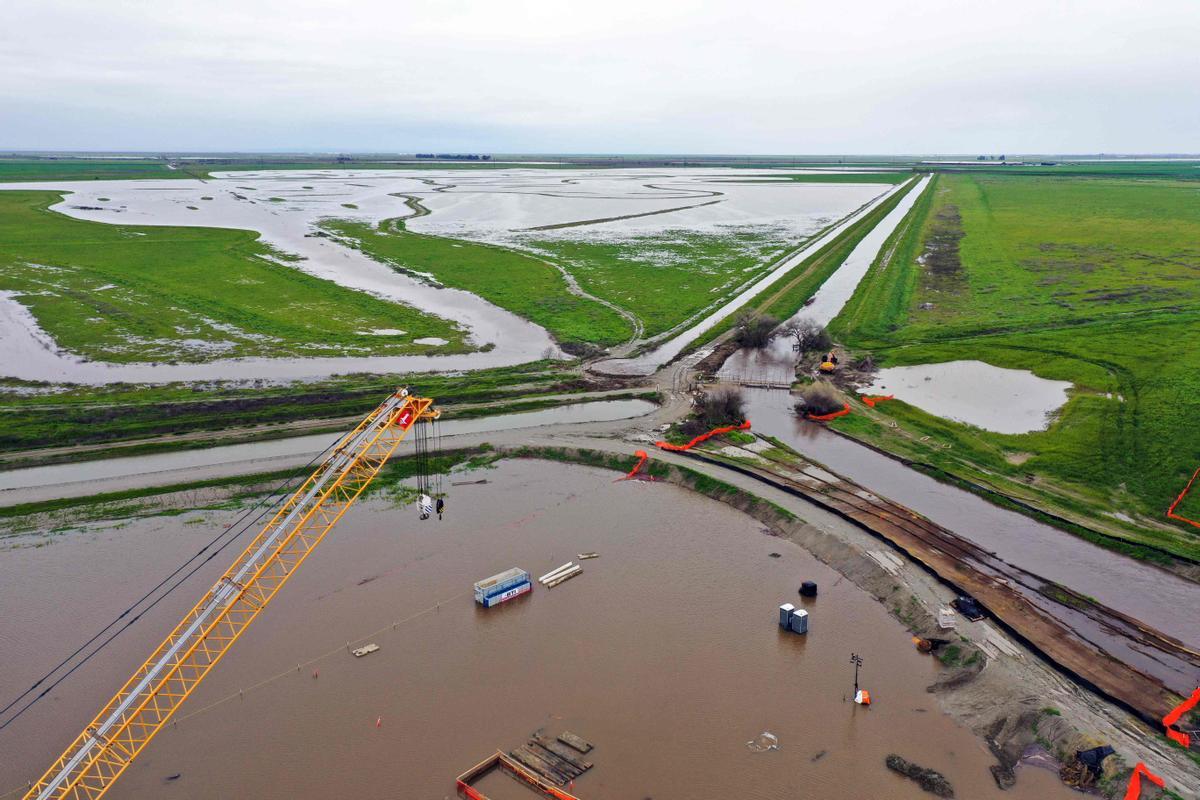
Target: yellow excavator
(128, 722)
(829, 363)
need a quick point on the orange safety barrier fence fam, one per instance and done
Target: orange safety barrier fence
(826, 417)
(1171, 511)
(464, 789)
(1135, 781)
(745, 426)
(872, 399)
(1176, 715)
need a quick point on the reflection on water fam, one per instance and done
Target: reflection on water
(665, 653)
(992, 398)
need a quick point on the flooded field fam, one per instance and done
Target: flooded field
(665, 653)
(650, 361)
(979, 394)
(499, 206)
(776, 363)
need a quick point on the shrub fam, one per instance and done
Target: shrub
(755, 332)
(584, 350)
(715, 409)
(819, 398)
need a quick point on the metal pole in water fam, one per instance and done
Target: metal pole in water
(857, 661)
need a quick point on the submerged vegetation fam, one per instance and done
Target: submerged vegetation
(521, 283)
(1092, 281)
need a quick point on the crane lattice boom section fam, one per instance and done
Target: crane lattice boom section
(148, 699)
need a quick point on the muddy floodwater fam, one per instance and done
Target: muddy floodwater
(1145, 592)
(665, 653)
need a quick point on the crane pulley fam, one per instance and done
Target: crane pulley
(146, 702)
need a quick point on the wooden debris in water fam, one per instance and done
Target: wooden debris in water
(553, 761)
(365, 650)
(586, 556)
(578, 742)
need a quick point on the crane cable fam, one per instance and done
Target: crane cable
(233, 529)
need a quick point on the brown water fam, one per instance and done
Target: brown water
(1145, 592)
(665, 653)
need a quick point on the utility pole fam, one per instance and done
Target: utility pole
(857, 661)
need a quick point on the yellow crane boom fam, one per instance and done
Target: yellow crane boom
(142, 707)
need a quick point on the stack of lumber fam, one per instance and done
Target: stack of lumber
(553, 760)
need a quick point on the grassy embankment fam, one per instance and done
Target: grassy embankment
(140, 293)
(525, 285)
(96, 416)
(1089, 280)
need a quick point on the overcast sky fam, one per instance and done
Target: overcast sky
(751, 76)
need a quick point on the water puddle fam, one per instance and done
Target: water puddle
(977, 393)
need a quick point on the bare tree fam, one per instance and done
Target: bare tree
(755, 331)
(808, 335)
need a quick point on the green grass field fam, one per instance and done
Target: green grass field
(85, 169)
(669, 278)
(123, 293)
(521, 283)
(1088, 280)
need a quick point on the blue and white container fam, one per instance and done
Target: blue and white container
(785, 615)
(502, 587)
(799, 621)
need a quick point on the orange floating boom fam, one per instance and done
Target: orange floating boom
(745, 426)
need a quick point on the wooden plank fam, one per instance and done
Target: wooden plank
(564, 752)
(560, 764)
(539, 765)
(578, 742)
